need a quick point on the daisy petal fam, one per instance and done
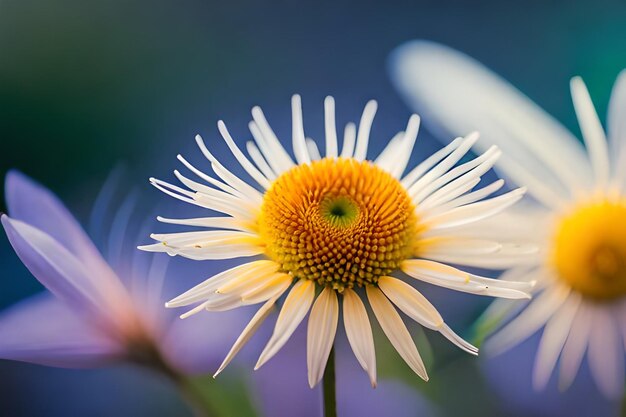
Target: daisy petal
(616, 128)
(575, 346)
(463, 215)
(365, 125)
(396, 331)
(449, 277)
(299, 141)
(294, 309)
(553, 339)
(321, 334)
(530, 320)
(593, 132)
(606, 354)
(458, 94)
(349, 137)
(359, 332)
(209, 286)
(254, 324)
(411, 302)
(330, 127)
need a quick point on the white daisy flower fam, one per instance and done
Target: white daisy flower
(578, 216)
(328, 228)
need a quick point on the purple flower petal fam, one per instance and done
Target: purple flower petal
(32, 203)
(45, 331)
(53, 265)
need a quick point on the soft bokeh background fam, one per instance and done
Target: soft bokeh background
(87, 85)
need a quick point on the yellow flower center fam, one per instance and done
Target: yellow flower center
(589, 250)
(338, 222)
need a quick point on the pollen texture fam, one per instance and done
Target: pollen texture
(589, 251)
(338, 222)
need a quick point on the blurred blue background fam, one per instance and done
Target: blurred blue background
(87, 85)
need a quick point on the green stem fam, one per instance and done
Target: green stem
(192, 393)
(330, 393)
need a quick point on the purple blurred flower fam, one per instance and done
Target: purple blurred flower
(95, 314)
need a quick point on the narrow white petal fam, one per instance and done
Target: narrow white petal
(406, 149)
(616, 128)
(387, 158)
(330, 127)
(244, 282)
(457, 246)
(254, 324)
(212, 222)
(270, 138)
(297, 131)
(365, 125)
(359, 332)
(207, 253)
(456, 94)
(202, 237)
(208, 287)
(416, 306)
(530, 320)
(396, 331)
(553, 339)
(219, 184)
(248, 201)
(411, 302)
(449, 277)
(296, 305)
(259, 160)
(472, 197)
(279, 161)
(349, 137)
(575, 345)
(468, 171)
(313, 150)
(502, 310)
(447, 193)
(416, 173)
(321, 334)
(272, 288)
(606, 353)
(476, 211)
(458, 340)
(241, 158)
(193, 311)
(224, 303)
(227, 176)
(445, 165)
(592, 130)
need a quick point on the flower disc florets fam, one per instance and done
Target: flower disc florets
(590, 249)
(338, 222)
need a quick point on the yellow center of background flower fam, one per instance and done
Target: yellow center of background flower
(338, 222)
(589, 250)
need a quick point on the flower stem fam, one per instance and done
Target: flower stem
(192, 393)
(330, 392)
